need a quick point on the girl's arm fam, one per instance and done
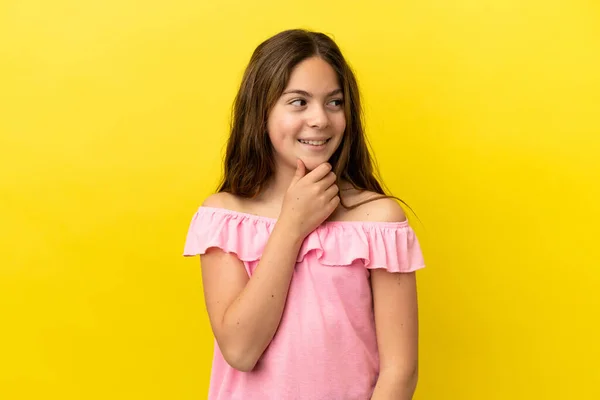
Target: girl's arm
(396, 321)
(245, 312)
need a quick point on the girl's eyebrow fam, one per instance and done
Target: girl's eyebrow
(305, 93)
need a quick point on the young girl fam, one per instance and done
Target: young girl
(307, 266)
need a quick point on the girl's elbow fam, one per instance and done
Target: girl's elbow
(239, 358)
(240, 349)
(405, 377)
(241, 364)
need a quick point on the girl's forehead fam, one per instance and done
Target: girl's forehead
(313, 75)
(313, 68)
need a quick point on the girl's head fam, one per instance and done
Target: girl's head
(310, 111)
(297, 86)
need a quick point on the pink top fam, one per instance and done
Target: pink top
(325, 347)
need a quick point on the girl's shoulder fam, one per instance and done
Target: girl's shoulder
(227, 202)
(374, 208)
(222, 200)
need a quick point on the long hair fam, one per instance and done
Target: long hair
(249, 161)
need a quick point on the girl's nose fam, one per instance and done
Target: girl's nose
(318, 118)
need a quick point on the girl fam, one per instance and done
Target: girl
(307, 266)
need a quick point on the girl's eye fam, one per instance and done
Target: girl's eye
(298, 102)
(337, 102)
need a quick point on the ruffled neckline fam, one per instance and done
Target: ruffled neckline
(389, 245)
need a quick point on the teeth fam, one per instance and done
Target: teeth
(313, 142)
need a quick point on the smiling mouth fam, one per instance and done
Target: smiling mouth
(315, 143)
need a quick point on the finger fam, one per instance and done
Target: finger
(300, 171)
(333, 203)
(318, 173)
(327, 181)
(332, 191)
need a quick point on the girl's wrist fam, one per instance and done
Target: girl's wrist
(290, 231)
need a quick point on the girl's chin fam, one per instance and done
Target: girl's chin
(312, 164)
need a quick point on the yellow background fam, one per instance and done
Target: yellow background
(485, 118)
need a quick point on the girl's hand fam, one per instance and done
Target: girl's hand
(310, 199)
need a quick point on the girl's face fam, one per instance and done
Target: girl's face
(308, 120)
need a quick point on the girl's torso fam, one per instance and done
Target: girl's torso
(325, 347)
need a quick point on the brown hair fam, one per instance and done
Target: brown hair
(249, 161)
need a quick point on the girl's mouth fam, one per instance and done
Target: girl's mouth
(314, 143)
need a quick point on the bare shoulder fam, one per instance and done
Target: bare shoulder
(222, 200)
(378, 209)
(235, 203)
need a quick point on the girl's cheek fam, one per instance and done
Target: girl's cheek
(341, 121)
(289, 122)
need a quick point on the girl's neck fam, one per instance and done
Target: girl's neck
(275, 190)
